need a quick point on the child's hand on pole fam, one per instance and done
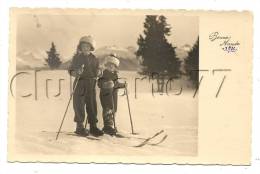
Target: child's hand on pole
(81, 70)
(126, 84)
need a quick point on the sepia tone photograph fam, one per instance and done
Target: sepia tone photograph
(129, 77)
(111, 86)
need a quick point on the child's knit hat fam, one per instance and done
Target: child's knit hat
(112, 59)
(90, 40)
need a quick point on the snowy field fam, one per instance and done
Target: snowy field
(37, 120)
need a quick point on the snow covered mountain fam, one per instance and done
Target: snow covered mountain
(26, 59)
(126, 56)
(32, 59)
(123, 53)
(182, 51)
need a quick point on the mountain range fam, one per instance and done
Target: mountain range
(26, 59)
(126, 57)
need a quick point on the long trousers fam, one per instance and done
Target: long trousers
(84, 97)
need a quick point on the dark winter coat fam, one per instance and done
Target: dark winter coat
(108, 97)
(91, 65)
(84, 95)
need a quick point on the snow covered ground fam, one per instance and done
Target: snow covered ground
(37, 121)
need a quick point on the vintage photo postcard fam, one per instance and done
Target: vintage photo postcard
(130, 86)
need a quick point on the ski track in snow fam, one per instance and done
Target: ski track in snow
(37, 121)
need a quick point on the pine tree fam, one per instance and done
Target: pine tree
(156, 53)
(192, 64)
(53, 59)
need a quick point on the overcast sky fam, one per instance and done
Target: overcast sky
(37, 32)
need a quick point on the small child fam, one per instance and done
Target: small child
(109, 85)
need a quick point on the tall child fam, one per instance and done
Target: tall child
(85, 91)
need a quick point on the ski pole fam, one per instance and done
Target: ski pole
(129, 110)
(86, 123)
(113, 111)
(76, 83)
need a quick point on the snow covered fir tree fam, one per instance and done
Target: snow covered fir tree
(155, 53)
(157, 56)
(53, 59)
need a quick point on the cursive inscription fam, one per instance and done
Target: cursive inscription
(226, 43)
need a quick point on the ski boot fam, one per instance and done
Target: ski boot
(95, 131)
(81, 131)
(109, 130)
